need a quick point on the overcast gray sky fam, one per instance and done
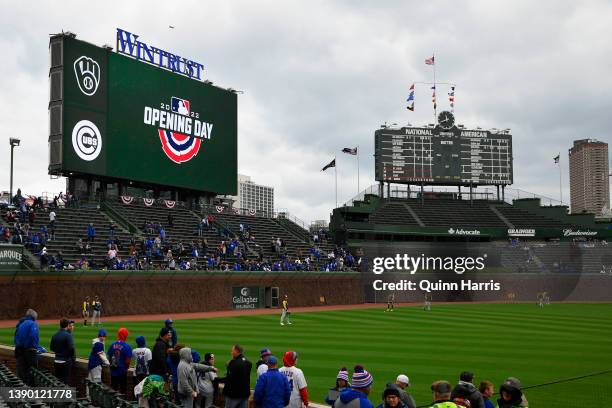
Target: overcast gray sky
(318, 76)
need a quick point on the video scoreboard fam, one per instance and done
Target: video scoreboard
(436, 155)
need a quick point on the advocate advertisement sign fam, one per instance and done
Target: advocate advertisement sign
(245, 297)
(131, 120)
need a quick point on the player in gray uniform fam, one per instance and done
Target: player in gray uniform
(390, 302)
(427, 304)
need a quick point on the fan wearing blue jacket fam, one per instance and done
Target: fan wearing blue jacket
(26, 345)
(357, 395)
(272, 389)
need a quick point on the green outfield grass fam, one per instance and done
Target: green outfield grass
(492, 340)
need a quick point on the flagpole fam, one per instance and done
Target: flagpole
(357, 169)
(435, 89)
(336, 176)
(560, 181)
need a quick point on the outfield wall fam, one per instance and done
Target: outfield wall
(142, 292)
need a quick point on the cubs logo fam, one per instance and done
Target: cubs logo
(180, 131)
(86, 140)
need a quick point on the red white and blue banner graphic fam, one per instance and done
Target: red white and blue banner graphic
(170, 203)
(148, 201)
(252, 213)
(179, 147)
(127, 200)
(219, 208)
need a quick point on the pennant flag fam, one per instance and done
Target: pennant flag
(331, 164)
(350, 151)
(410, 106)
(430, 61)
(451, 98)
(556, 159)
(433, 97)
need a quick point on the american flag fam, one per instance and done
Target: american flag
(350, 151)
(430, 61)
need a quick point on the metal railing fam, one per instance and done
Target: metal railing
(400, 191)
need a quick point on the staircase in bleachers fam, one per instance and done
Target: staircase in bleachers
(393, 213)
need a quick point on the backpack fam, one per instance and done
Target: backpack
(114, 361)
(141, 365)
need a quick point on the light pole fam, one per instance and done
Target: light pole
(14, 142)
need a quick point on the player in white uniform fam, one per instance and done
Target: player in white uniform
(299, 388)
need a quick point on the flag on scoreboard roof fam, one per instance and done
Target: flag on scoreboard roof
(556, 159)
(430, 61)
(330, 164)
(433, 96)
(410, 99)
(350, 151)
(451, 98)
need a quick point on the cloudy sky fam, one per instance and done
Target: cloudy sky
(318, 76)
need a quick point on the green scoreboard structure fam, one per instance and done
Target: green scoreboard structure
(443, 154)
(115, 120)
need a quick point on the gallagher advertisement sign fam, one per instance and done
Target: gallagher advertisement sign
(245, 297)
(144, 116)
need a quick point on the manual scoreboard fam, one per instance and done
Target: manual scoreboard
(438, 155)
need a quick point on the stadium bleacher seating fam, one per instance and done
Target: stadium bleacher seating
(394, 213)
(71, 225)
(456, 213)
(524, 219)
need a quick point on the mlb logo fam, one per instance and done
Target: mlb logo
(180, 106)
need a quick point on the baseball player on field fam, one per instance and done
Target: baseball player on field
(285, 313)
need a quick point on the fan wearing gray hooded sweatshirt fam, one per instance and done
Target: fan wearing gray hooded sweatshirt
(187, 380)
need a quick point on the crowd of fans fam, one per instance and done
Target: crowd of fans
(175, 370)
(156, 250)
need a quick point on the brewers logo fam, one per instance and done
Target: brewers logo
(180, 131)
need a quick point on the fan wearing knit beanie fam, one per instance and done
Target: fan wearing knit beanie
(142, 356)
(120, 356)
(357, 395)
(342, 383)
(299, 388)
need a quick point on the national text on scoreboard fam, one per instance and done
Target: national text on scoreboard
(433, 155)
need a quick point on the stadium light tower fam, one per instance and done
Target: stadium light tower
(14, 142)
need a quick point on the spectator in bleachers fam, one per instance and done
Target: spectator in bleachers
(59, 261)
(91, 232)
(32, 216)
(27, 346)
